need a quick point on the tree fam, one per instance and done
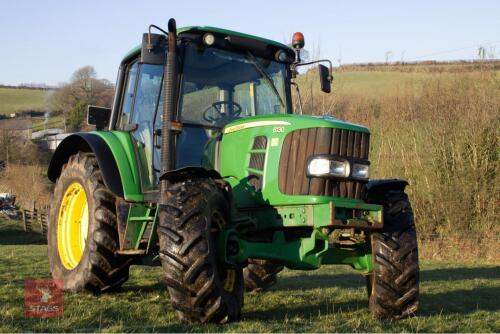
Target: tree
(17, 149)
(481, 52)
(71, 99)
(76, 116)
(388, 56)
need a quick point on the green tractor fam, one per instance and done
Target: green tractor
(202, 167)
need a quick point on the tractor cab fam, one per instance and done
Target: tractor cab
(220, 79)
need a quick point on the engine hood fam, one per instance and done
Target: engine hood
(291, 122)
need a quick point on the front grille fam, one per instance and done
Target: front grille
(299, 145)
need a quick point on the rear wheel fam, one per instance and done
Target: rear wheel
(200, 288)
(260, 275)
(82, 236)
(393, 286)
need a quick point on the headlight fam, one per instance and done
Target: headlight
(328, 167)
(208, 39)
(360, 171)
(339, 168)
(319, 167)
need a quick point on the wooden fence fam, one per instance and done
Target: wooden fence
(35, 218)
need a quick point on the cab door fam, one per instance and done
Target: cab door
(146, 105)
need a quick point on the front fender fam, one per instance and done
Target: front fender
(376, 187)
(190, 172)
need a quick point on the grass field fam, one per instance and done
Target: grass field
(454, 298)
(53, 122)
(16, 100)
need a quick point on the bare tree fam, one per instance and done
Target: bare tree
(388, 56)
(492, 52)
(481, 52)
(83, 89)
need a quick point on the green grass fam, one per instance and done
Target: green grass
(16, 100)
(454, 298)
(53, 122)
(377, 84)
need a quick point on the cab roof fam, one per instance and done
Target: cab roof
(205, 29)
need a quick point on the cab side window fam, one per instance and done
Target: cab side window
(146, 105)
(128, 95)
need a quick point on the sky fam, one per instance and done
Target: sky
(46, 41)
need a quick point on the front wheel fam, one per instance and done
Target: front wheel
(201, 289)
(393, 285)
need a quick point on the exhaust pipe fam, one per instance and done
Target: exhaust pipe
(169, 109)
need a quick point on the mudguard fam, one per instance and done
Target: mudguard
(87, 142)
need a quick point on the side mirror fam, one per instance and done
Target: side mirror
(325, 78)
(153, 49)
(98, 116)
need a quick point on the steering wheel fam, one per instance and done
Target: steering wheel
(219, 115)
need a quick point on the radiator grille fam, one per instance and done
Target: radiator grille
(299, 145)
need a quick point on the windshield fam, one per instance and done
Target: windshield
(219, 86)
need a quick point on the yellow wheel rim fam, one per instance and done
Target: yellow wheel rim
(218, 223)
(72, 225)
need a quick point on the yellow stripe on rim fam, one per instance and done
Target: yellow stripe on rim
(72, 225)
(218, 223)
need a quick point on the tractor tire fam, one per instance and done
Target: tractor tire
(82, 234)
(260, 275)
(201, 289)
(393, 286)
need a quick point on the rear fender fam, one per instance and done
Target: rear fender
(87, 142)
(118, 170)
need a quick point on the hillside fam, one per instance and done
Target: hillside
(14, 100)
(421, 123)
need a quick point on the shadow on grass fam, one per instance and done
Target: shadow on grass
(309, 282)
(16, 236)
(460, 301)
(314, 308)
(459, 274)
(354, 280)
(159, 286)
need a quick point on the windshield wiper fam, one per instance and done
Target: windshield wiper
(266, 76)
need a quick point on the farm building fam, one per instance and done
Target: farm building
(18, 127)
(49, 139)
